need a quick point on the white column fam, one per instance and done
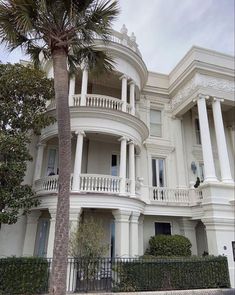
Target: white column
(84, 85)
(221, 141)
(124, 92)
(132, 97)
(51, 237)
(31, 232)
(122, 170)
(134, 234)
(74, 218)
(206, 140)
(39, 160)
(141, 235)
(231, 130)
(121, 232)
(78, 161)
(132, 168)
(71, 90)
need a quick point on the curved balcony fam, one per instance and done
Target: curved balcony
(96, 101)
(89, 183)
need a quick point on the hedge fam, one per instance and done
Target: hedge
(24, 275)
(169, 245)
(172, 274)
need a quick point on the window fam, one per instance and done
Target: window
(162, 228)
(155, 123)
(51, 163)
(112, 239)
(201, 171)
(42, 237)
(115, 163)
(197, 130)
(158, 172)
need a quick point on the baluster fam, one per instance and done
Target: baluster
(98, 184)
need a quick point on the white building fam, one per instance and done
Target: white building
(139, 141)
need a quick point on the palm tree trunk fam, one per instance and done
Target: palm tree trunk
(60, 252)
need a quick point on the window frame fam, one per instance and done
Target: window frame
(163, 221)
(51, 147)
(157, 171)
(159, 124)
(197, 132)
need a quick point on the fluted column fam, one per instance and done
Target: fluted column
(84, 84)
(132, 167)
(124, 92)
(31, 232)
(221, 141)
(71, 90)
(122, 170)
(141, 235)
(134, 234)
(39, 160)
(78, 161)
(51, 237)
(206, 139)
(132, 97)
(122, 233)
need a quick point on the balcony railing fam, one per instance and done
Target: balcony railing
(95, 101)
(99, 183)
(168, 195)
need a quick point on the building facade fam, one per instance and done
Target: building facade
(139, 141)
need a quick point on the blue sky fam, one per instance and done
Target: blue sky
(167, 29)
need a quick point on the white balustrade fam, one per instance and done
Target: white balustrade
(49, 183)
(99, 183)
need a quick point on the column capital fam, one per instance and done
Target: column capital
(52, 212)
(123, 138)
(135, 217)
(132, 82)
(121, 215)
(80, 132)
(131, 142)
(201, 96)
(219, 99)
(123, 77)
(41, 144)
(74, 214)
(33, 216)
(84, 65)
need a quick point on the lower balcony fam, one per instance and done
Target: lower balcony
(89, 183)
(111, 185)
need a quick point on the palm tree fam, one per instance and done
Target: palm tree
(64, 31)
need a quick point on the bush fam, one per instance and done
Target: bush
(172, 274)
(164, 245)
(24, 275)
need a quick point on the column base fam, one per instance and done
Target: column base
(211, 179)
(229, 181)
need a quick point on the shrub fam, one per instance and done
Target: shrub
(164, 245)
(172, 274)
(24, 275)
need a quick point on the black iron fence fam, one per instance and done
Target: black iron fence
(31, 276)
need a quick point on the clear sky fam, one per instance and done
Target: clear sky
(167, 29)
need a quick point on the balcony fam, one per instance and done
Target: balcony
(110, 185)
(97, 101)
(178, 195)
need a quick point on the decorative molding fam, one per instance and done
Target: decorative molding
(198, 81)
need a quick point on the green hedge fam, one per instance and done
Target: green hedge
(164, 245)
(24, 275)
(172, 274)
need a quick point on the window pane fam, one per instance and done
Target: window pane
(51, 161)
(155, 116)
(156, 129)
(154, 178)
(115, 165)
(155, 123)
(161, 172)
(162, 228)
(197, 130)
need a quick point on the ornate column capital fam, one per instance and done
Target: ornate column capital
(123, 77)
(201, 96)
(80, 132)
(41, 144)
(134, 217)
(132, 82)
(121, 215)
(219, 99)
(52, 212)
(123, 138)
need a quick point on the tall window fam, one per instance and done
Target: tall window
(162, 228)
(155, 123)
(158, 172)
(115, 163)
(197, 131)
(42, 237)
(201, 171)
(51, 164)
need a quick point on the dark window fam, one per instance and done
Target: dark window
(162, 228)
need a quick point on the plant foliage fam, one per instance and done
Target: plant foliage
(23, 95)
(24, 275)
(169, 245)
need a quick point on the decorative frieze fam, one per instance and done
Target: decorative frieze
(203, 81)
